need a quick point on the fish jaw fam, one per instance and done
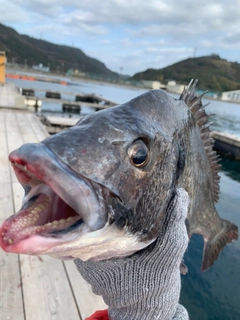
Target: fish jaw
(59, 205)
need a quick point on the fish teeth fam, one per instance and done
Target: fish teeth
(56, 223)
(48, 224)
(10, 241)
(34, 211)
(42, 206)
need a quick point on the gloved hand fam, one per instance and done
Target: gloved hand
(146, 285)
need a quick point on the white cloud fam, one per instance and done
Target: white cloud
(135, 33)
(10, 13)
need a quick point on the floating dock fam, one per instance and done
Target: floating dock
(34, 288)
(73, 104)
(57, 124)
(227, 144)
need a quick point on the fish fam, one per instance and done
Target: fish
(101, 189)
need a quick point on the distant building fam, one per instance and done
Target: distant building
(151, 84)
(173, 87)
(76, 72)
(40, 67)
(231, 95)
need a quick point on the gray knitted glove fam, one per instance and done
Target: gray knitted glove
(146, 285)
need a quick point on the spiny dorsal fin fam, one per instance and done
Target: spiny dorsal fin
(198, 111)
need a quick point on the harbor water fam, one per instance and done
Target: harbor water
(210, 295)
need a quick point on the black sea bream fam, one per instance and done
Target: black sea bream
(101, 188)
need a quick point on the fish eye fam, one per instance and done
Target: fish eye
(138, 154)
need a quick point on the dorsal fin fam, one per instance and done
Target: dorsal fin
(194, 103)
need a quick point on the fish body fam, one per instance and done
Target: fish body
(101, 188)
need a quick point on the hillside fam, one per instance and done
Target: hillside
(214, 73)
(24, 49)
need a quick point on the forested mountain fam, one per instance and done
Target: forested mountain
(23, 49)
(214, 73)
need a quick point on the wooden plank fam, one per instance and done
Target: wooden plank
(87, 301)
(11, 302)
(38, 127)
(6, 201)
(15, 140)
(4, 163)
(24, 124)
(47, 294)
(30, 124)
(18, 194)
(2, 122)
(11, 122)
(13, 133)
(31, 130)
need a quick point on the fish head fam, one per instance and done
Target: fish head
(101, 188)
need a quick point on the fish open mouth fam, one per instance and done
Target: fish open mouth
(44, 213)
(59, 206)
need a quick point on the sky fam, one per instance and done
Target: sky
(130, 36)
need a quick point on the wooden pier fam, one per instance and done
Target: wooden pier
(34, 288)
